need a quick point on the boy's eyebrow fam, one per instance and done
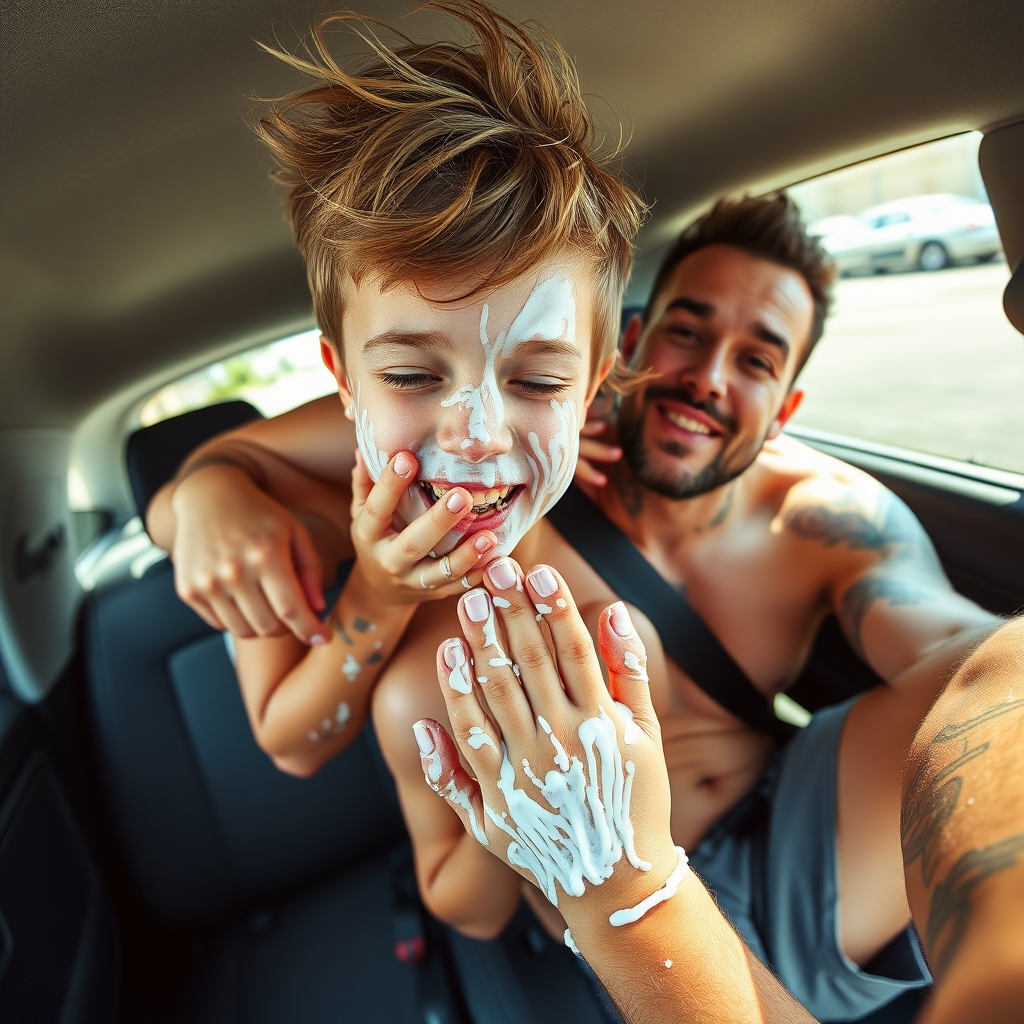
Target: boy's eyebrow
(410, 339)
(553, 346)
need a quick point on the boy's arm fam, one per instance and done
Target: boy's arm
(243, 558)
(459, 882)
(305, 704)
(962, 831)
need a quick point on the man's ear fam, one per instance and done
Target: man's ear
(790, 404)
(329, 354)
(631, 338)
(599, 378)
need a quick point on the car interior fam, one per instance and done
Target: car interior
(154, 865)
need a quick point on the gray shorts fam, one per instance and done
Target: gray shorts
(771, 862)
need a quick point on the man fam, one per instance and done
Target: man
(763, 535)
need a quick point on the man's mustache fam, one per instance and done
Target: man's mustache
(665, 392)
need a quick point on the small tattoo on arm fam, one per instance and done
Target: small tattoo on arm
(339, 628)
(373, 658)
(361, 625)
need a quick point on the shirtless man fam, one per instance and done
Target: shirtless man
(766, 536)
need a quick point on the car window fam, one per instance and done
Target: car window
(918, 353)
(274, 378)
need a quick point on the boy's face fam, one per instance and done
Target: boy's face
(488, 391)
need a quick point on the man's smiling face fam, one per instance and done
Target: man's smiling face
(487, 391)
(725, 338)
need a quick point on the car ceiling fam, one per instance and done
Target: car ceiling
(141, 235)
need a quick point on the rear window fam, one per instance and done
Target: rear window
(274, 378)
(918, 352)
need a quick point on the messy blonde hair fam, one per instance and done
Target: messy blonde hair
(447, 159)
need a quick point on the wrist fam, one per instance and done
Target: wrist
(373, 602)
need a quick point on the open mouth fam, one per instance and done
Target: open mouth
(485, 503)
(688, 423)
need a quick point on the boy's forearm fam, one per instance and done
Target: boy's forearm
(321, 704)
(473, 891)
(681, 962)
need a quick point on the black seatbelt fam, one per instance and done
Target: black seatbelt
(685, 636)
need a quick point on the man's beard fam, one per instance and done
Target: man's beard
(725, 466)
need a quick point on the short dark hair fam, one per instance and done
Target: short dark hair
(769, 227)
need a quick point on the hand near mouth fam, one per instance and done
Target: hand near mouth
(397, 566)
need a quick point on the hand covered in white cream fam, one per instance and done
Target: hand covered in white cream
(571, 787)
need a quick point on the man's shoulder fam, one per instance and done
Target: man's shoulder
(826, 501)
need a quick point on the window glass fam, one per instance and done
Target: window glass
(274, 378)
(918, 352)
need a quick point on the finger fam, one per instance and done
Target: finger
(591, 428)
(623, 652)
(383, 498)
(308, 567)
(470, 554)
(446, 776)
(598, 451)
(234, 621)
(587, 474)
(496, 674)
(425, 532)
(206, 613)
(253, 605)
(578, 667)
(454, 589)
(287, 597)
(362, 484)
(520, 621)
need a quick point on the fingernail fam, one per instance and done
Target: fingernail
(403, 467)
(543, 581)
(620, 621)
(454, 655)
(477, 605)
(483, 544)
(502, 574)
(318, 639)
(457, 502)
(423, 738)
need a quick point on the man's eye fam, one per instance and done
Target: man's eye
(540, 387)
(409, 380)
(686, 333)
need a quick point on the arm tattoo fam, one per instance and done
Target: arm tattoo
(928, 804)
(894, 523)
(879, 586)
(951, 901)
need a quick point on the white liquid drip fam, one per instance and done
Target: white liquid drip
(460, 798)
(478, 738)
(632, 732)
(585, 828)
(560, 602)
(632, 662)
(491, 640)
(351, 668)
(544, 609)
(571, 943)
(501, 602)
(666, 892)
(459, 677)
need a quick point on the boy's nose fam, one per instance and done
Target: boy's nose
(473, 426)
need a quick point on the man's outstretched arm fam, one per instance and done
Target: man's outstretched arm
(962, 831)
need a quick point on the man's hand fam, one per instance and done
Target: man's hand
(398, 567)
(571, 786)
(594, 451)
(242, 561)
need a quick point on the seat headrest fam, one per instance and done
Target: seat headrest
(154, 453)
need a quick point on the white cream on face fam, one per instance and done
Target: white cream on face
(585, 826)
(542, 459)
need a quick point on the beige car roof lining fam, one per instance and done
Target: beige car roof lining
(140, 234)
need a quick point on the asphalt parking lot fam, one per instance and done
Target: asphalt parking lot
(923, 361)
